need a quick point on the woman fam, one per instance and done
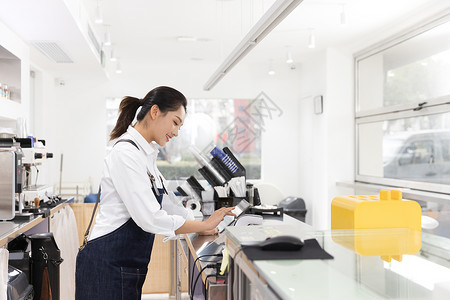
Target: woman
(135, 204)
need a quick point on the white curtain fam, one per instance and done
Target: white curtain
(64, 228)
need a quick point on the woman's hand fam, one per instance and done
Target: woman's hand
(208, 226)
(217, 217)
(209, 232)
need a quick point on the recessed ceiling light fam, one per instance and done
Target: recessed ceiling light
(186, 39)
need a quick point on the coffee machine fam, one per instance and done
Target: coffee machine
(19, 196)
(11, 169)
(34, 154)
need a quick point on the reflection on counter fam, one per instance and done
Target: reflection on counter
(386, 243)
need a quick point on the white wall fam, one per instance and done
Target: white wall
(326, 143)
(77, 114)
(311, 135)
(340, 124)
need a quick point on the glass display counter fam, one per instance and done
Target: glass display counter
(367, 264)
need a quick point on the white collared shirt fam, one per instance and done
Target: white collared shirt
(127, 193)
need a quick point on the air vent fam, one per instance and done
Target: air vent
(53, 51)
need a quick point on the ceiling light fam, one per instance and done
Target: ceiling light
(289, 59)
(311, 40)
(271, 70)
(107, 41)
(113, 55)
(343, 16)
(118, 68)
(274, 15)
(98, 15)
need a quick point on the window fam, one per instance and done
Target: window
(209, 123)
(402, 109)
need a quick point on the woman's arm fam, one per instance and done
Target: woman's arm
(207, 225)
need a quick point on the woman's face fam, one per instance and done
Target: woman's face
(166, 126)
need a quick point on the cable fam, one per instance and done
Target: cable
(193, 284)
(193, 266)
(198, 276)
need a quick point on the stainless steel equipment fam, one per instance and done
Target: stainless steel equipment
(17, 156)
(10, 180)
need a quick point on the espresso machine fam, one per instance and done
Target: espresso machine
(19, 196)
(11, 169)
(34, 154)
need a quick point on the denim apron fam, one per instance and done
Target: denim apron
(114, 266)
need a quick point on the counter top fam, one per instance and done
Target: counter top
(9, 230)
(367, 264)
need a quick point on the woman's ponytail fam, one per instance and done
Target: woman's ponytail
(127, 110)
(166, 98)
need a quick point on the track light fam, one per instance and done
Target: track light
(273, 16)
(289, 59)
(113, 55)
(311, 40)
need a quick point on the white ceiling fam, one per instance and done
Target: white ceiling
(144, 31)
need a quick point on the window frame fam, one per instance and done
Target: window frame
(433, 105)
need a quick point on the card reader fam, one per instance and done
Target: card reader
(238, 210)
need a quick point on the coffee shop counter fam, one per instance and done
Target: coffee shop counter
(392, 263)
(189, 246)
(60, 221)
(9, 230)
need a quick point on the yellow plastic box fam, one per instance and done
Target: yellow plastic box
(388, 210)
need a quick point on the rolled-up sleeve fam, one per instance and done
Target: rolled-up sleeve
(174, 207)
(129, 176)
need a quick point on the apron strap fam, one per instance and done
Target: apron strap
(86, 234)
(127, 141)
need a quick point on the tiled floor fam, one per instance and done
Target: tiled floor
(162, 296)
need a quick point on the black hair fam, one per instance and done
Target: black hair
(166, 98)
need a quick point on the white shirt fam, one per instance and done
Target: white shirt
(127, 193)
